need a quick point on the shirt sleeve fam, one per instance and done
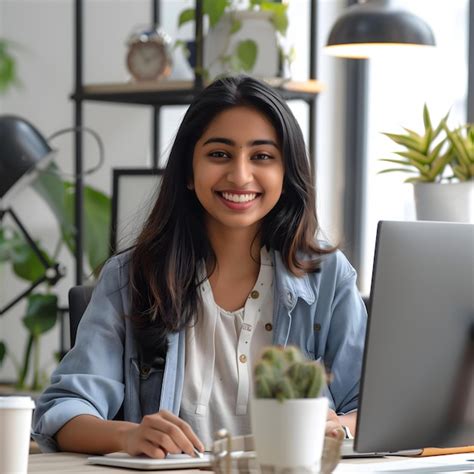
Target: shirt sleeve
(345, 343)
(89, 379)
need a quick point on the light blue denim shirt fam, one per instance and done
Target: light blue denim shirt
(322, 313)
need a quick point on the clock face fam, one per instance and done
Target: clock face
(147, 61)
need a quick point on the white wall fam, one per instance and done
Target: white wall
(44, 29)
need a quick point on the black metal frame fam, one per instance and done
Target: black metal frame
(53, 271)
(162, 98)
(117, 174)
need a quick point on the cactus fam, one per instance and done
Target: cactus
(282, 373)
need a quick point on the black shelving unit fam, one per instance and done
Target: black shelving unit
(159, 94)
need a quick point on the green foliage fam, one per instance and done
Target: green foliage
(462, 151)
(8, 73)
(42, 307)
(245, 54)
(282, 373)
(429, 155)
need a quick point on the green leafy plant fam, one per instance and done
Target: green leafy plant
(431, 155)
(283, 373)
(425, 155)
(42, 304)
(8, 72)
(461, 153)
(245, 52)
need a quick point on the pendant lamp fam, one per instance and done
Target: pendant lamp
(374, 26)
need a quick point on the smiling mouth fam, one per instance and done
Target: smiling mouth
(239, 198)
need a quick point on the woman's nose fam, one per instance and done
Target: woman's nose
(240, 171)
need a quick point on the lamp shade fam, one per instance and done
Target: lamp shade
(370, 26)
(22, 150)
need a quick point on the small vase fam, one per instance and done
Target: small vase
(289, 435)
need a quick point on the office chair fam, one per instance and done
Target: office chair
(79, 297)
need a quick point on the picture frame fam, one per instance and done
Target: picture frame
(134, 191)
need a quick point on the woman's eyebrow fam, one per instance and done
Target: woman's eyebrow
(228, 141)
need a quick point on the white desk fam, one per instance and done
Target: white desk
(77, 464)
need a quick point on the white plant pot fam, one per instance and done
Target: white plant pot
(452, 202)
(290, 434)
(257, 26)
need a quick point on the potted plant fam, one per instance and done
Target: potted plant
(288, 413)
(441, 161)
(242, 40)
(43, 303)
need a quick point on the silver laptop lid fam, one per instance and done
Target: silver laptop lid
(418, 371)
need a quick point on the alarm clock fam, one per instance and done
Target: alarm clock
(149, 54)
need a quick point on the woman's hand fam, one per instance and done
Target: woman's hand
(334, 426)
(160, 434)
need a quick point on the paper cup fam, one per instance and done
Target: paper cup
(15, 428)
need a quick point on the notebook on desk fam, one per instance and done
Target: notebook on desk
(144, 463)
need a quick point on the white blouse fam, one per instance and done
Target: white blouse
(220, 351)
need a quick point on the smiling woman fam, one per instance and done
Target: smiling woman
(227, 263)
(237, 171)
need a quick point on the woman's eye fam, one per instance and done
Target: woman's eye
(262, 156)
(218, 154)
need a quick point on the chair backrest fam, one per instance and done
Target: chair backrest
(79, 297)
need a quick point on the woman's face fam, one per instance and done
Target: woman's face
(238, 169)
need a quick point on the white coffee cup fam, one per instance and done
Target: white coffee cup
(15, 428)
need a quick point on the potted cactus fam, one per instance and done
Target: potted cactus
(288, 412)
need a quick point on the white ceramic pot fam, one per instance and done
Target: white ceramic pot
(290, 434)
(257, 26)
(452, 202)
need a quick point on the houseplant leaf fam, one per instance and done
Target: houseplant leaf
(41, 313)
(215, 9)
(247, 54)
(25, 262)
(279, 16)
(186, 16)
(97, 209)
(50, 186)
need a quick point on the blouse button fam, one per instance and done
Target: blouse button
(145, 370)
(255, 294)
(268, 327)
(243, 358)
(317, 327)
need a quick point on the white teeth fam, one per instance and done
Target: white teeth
(239, 197)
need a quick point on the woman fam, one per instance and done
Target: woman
(226, 263)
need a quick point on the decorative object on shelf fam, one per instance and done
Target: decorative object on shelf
(442, 161)
(249, 41)
(25, 158)
(288, 412)
(373, 26)
(8, 72)
(149, 54)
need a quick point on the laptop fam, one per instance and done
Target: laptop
(417, 384)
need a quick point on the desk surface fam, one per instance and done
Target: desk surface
(77, 463)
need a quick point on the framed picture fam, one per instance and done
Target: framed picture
(134, 191)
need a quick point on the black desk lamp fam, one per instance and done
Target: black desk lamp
(23, 152)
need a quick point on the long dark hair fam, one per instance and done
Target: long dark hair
(164, 262)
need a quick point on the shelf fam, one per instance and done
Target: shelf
(181, 92)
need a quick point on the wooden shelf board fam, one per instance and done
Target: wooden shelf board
(151, 87)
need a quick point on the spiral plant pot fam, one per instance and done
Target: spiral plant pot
(451, 202)
(289, 435)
